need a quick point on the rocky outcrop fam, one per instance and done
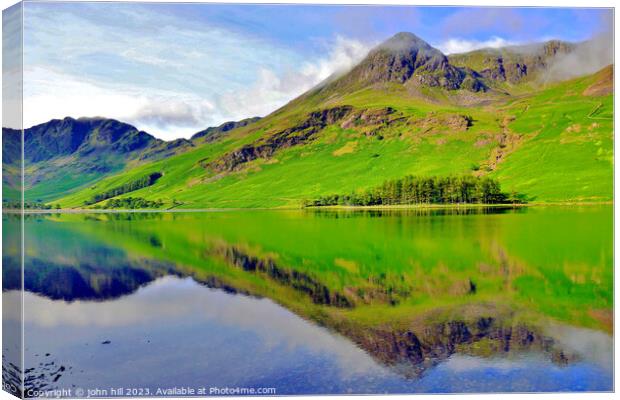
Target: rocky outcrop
(435, 123)
(513, 64)
(370, 122)
(364, 118)
(298, 134)
(512, 72)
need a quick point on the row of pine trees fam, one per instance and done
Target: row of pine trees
(465, 189)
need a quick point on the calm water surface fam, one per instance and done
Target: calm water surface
(318, 302)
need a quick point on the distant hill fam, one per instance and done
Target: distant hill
(83, 137)
(63, 155)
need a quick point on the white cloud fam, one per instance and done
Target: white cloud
(342, 57)
(587, 58)
(457, 45)
(11, 67)
(271, 91)
(160, 74)
(167, 115)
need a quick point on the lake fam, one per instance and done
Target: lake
(314, 302)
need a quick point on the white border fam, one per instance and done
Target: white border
(481, 3)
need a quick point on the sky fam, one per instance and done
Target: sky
(175, 69)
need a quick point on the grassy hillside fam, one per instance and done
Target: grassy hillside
(553, 145)
(568, 155)
(554, 123)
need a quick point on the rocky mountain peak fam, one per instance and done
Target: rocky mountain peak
(407, 59)
(405, 42)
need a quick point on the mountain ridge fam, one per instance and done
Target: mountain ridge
(83, 150)
(460, 78)
(394, 113)
(513, 64)
(215, 132)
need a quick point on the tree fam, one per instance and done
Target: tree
(465, 189)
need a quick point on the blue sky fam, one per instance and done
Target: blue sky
(174, 69)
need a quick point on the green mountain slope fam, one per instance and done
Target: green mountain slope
(405, 109)
(568, 153)
(554, 145)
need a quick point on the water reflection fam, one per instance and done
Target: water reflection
(230, 340)
(399, 304)
(409, 212)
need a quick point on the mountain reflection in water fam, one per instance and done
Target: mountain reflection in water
(405, 303)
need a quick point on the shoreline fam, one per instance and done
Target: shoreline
(333, 208)
(459, 206)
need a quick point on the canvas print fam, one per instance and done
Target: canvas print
(294, 199)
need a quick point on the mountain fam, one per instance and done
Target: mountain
(406, 109)
(407, 59)
(82, 137)
(64, 155)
